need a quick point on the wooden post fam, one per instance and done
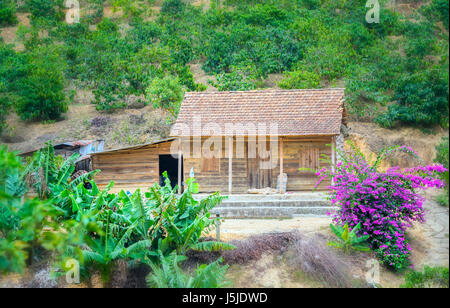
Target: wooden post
(281, 165)
(218, 228)
(180, 165)
(230, 164)
(333, 156)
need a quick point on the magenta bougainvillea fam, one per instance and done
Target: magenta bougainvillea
(386, 203)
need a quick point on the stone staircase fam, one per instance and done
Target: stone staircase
(274, 206)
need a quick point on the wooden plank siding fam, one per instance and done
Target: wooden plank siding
(130, 168)
(297, 153)
(139, 168)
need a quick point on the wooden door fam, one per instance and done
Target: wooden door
(257, 177)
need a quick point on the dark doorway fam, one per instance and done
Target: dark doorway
(170, 164)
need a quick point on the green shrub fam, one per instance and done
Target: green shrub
(173, 7)
(300, 80)
(438, 10)
(348, 239)
(42, 90)
(7, 13)
(169, 275)
(239, 79)
(166, 93)
(442, 157)
(45, 10)
(421, 99)
(443, 199)
(431, 277)
(442, 152)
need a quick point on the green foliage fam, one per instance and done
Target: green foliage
(401, 61)
(349, 240)
(168, 274)
(173, 7)
(28, 227)
(438, 10)
(7, 13)
(45, 10)
(443, 199)
(442, 152)
(178, 223)
(40, 92)
(421, 98)
(431, 277)
(165, 93)
(300, 80)
(73, 220)
(13, 67)
(239, 79)
(442, 157)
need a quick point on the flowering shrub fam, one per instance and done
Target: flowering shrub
(385, 203)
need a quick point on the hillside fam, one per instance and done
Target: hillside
(119, 73)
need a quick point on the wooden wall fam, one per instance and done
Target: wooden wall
(216, 180)
(303, 153)
(134, 168)
(297, 152)
(130, 168)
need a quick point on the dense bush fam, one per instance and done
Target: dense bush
(438, 10)
(384, 203)
(170, 275)
(7, 13)
(165, 93)
(300, 80)
(71, 219)
(442, 157)
(31, 227)
(431, 277)
(172, 7)
(41, 91)
(442, 152)
(45, 10)
(239, 79)
(421, 98)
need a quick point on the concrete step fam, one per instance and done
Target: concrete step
(253, 197)
(272, 211)
(275, 203)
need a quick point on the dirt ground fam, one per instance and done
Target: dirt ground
(371, 138)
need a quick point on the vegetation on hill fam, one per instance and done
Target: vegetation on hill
(395, 71)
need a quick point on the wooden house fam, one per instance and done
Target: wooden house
(236, 141)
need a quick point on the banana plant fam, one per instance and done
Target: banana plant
(179, 222)
(168, 274)
(108, 247)
(349, 240)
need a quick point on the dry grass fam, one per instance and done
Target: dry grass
(312, 257)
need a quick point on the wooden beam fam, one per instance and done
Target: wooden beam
(230, 164)
(281, 165)
(333, 156)
(180, 165)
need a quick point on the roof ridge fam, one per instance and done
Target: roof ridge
(263, 90)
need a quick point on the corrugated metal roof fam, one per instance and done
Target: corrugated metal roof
(135, 146)
(75, 144)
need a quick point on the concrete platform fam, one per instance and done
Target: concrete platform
(274, 206)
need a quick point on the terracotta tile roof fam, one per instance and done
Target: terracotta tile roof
(295, 112)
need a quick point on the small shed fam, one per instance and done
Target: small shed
(67, 149)
(137, 166)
